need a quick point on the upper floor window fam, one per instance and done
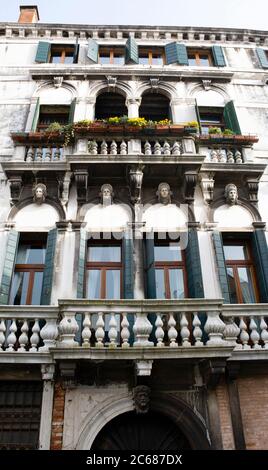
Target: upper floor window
(170, 272)
(211, 117)
(26, 285)
(61, 54)
(240, 271)
(115, 56)
(200, 58)
(104, 271)
(154, 56)
(51, 113)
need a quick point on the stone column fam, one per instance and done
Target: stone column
(47, 371)
(133, 105)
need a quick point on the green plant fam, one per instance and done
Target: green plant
(114, 120)
(214, 130)
(83, 123)
(68, 133)
(228, 132)
(139, 122)
(163, 122)
(192, 124)
(54, 127)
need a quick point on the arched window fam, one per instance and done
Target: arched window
(110, 104)
(154, 107)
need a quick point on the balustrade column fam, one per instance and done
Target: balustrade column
(215, 327)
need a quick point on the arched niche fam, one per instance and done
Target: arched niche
(209, 98)
(58, 96)
(233, 217)
(154, 106)
(36, 218)
(112, 218)
(162, 218)
(110, 104)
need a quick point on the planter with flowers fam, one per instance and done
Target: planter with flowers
(216, 135)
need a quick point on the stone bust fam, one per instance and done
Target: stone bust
(164, 193)
(39, 193)
(141, 398)
(106, 194)
(231, 194)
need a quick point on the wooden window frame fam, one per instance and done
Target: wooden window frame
(167, 265)
(104, 266)
(247, 263)
(150, 53)
(111, 53)
(208, 124)
(197, 53)
(43, 127)
(62, 49)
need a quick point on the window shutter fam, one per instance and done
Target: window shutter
(11, 250)
(230, 118)
(93, 51)
(36, 115)
(150, 268)
(76, 51)
(222, 273)
(198, 116)
(71, 112)
(43, 51)
(81, 264)
(49, 267)
(218, 56)
(193, 266)
(128, 266)
(260, 254)
(262, 58)
(132, 51)
(176, 54)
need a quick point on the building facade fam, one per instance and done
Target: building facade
(133, 261)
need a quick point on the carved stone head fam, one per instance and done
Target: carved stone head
(164, 193)
(231, 194)
(39, 193)
(141, 397)
(106, 194)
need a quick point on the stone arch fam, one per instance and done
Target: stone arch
(49, 85)
(104, 217)
(56, 209)
(216, 88)
(241, 203)
(187, 211)
(189, 421)
(102, 86)
(167, 89)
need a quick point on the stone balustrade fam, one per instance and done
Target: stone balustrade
(44, 153)
(123, 324)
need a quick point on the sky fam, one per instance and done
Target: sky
(249, 14)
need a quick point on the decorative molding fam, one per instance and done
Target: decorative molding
(190, 181)
(81, 179)
(212, 370)
(143, 367)
(141, 399)
(57, 81)
(207, 186)
(111, 82)
(135, 179)
(47, 371)
(64, 186)
(206, 84)
(154, 82)
(15, 188)
(253, 188)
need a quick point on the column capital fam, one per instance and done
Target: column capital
(48, 371)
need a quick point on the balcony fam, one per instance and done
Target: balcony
(133, 330)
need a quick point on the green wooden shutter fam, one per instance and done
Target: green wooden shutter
(260, 254)
(71, 112)
(222, 273)
(43, 51)
(198, 116)
(11, 250)
(218, 56)
(176, 54)
(132, 51)
(76, 51)
(36, 115)
(128, 266)
(262, 58)
(193, 266)
(150, 268)
(49, 267)
(93, 51)
(81, 264)
(230, 118)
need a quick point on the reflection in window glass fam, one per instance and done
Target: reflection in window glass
(144, 60)
(157, 60)
(104, 253)
(235, 252)
(204, 60)
(176, 284)
(93, 284)
(169, 252)
(37, 288)
(28, 254)
(160, 284)
(119, 60)
(246, 285)
(19, 288)
(112, 284)
(232, 287)
(104, 59)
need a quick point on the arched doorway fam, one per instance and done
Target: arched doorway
(110, 104)
(132, 431)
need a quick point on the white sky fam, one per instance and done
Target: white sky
(250, 14)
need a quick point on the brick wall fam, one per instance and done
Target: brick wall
(225, 416)
(253, 394)
(57, 417)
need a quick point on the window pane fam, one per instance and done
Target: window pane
(144, 59)
(157, 60)
(176, 284)
(232, 288)
(113, 284)
(119, 60)
(233, 252)
(246, 285)
(204, 60)
(169, 252)
(19, 288)
(37, 288)
(28, 254)
(160, 284)
(104, 59)
(101, 254)
(191, 60)
(56, 58)
(93, 283)
(69, 59)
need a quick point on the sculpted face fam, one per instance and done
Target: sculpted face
(39, 193)
(164, 192)
(231, 194)
(106, 194)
